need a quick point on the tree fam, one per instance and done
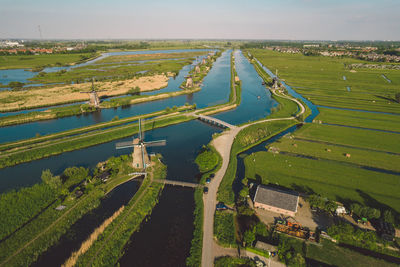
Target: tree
(388, 216)
(249, 237)
(53, 181)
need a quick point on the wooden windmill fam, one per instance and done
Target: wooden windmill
(140, 157)
(94, 99)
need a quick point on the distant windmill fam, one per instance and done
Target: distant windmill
(275, 80)
(94, 98)
(140, 157)
(189, 81)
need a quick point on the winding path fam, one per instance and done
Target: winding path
(223, 145)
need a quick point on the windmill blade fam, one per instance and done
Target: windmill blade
(156, 143)
(143, 159)
(122, 145)
(143, 125)
(140, 129)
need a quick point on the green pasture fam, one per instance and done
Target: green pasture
(321, 79)
(43, 60)
(338, 153)
(360, 119)
(111, 71)
(357, 138)
(333, 180)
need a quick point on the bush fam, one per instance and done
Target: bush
(224, 228)
(207, 159)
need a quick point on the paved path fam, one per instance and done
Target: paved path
(223, 145)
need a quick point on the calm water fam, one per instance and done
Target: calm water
(23, 75)
(168, 233)
(314, 108)
(256, 102)
(83, 227)
(215, 90)
(170, 229)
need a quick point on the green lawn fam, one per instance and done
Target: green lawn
(32, 61)
(360, 119)
(112, 71)
(338, 256)
(337, 153)
(333, 180)
(360, 138)
(321, 79)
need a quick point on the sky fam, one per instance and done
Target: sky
(201, 19)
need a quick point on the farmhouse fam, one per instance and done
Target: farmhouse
(276, 200)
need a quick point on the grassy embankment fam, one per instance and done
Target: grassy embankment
(114, 83)
(86, 140)
(234, 96)
(209, 162)
(109, 246)
(54, 146)
(12, 147)
(44, 60)
(75, 110)
(120, 70)
(42, 228)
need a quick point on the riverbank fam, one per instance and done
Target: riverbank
(85, 140)
(45, 229)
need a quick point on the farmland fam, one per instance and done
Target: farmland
(347, 155)
(321, 79)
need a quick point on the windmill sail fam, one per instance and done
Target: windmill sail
(156, 143)
(122, 145)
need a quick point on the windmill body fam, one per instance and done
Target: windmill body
(94, 99)
(140, 158)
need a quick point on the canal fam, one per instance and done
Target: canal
(170, 229)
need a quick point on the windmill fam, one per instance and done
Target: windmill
(189, 81)
(140, 157)
(94, 98)
(275, 81)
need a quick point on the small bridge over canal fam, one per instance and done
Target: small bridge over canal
(177, 183)
(214, 121)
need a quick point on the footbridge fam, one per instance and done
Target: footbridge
(215, 121)
(178, 183)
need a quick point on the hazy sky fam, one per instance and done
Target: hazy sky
(244, 19)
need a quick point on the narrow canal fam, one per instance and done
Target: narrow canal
(29, 130)
(170, 229)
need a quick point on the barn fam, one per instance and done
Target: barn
(276, 200)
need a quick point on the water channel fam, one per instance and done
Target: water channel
(29, 130)
(170, 229)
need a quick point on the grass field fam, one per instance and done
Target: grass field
(334, 152)
(321, 79)
(112, 71)
(338, 256)
(137, 57)
(314, 157)
(44, 60)
(358, 138)
(333, 180)
(360, 119)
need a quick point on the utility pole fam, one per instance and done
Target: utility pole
(40, 32)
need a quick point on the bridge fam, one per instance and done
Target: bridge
(177, 183)
(214, 121)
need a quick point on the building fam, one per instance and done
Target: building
(276, 200)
